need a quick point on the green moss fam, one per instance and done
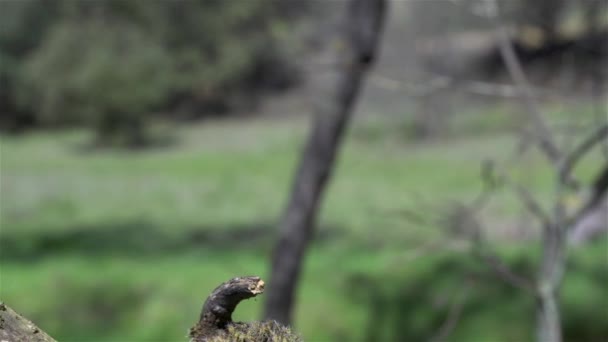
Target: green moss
(257, 332)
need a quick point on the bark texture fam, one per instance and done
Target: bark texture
(215, 323)
(359, 45)
(217, 310)
(15, 328)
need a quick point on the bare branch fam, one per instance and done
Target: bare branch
(532, 205)
(429, 87)
(598, 192)
(453, 316)
(505, 273)
(493, 261)
(492, 180)
(411, 215)
(572, 159)
(493, 177)
(496, 265)
(440, 82)
(542, 133)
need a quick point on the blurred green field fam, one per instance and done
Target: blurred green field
(125, 245)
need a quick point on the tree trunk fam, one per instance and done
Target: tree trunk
(14, 327)
(549, 327)
(360, 40)
(549, 322)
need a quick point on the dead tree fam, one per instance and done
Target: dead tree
(14, 327)
(359, 43)
(215, 323)
(557, 222)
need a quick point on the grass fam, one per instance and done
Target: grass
(114, 245)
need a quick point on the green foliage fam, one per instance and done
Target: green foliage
(110, 84)
(416, 303)
(110, 64)
(129, 245)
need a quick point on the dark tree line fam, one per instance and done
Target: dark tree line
(110, 64)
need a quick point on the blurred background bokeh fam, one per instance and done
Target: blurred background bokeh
(147, 150)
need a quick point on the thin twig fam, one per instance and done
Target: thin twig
(494, 262)
(505, 273)
(572, 159)
(599, 189)
(441, 82)
(454, 314)
(545, 139)
(492, 180)
(532, 205)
